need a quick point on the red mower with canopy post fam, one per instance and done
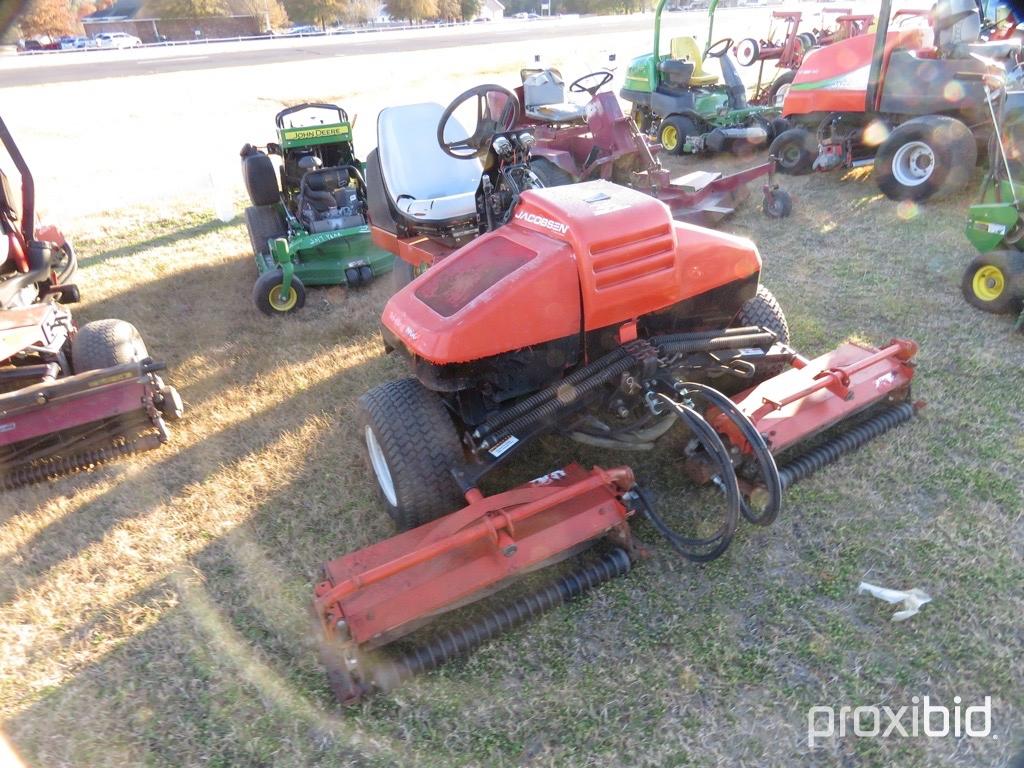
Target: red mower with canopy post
(70, 398)
(590, 313)
(580, 142)
(894, 100)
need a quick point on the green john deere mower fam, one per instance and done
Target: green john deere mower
(307, 222)
(994, 279)
(688, 110)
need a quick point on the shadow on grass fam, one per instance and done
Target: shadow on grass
(160, 241)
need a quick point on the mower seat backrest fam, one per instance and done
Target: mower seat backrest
(956, 24)
(422, 181)
(319, 187)
(544, 98)
(675, 73)
(686, 49)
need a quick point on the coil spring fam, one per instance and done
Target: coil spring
(459, 641)
(854, 438)
(65, 465)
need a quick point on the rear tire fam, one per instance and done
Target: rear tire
(994, 282)
(264, 223)
(260, 179)
(550, 175)
(411, 447)
(763, 310)
(106, 343)
(673, 131)
(794, 152)
(924, 156)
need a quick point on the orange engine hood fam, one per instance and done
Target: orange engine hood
(573, 258)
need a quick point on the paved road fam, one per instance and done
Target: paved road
(80, 66)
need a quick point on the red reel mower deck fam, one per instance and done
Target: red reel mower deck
(378, 594)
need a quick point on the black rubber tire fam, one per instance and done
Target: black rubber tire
(264, 223)
(1011, 265)
(778, 205)
(763, 310)
(550, 175)
(784, 79)
(794, 152)
(260, 178)
(420, 446)
(953, 162)
(105, 343)
(777, 127)
(268, 282)
(684, 126)
(808, 40)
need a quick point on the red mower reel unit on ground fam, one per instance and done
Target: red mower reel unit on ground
(594, 315)
(582, 142)
(895, 101)
(69, 398)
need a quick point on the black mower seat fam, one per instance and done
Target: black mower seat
(319, 187)
(676, 73)
(422, 181)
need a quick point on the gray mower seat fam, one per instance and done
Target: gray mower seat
(544, 98)
(422, 181)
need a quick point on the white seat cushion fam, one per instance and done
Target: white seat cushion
(566, 112)
(421, 180)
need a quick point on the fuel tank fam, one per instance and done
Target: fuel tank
(571, 260)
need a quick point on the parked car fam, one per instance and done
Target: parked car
(73, 42)
(116, 40)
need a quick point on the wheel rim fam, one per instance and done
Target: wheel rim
(380, 468)
(913, 163)
(789, 156)
(669, 137)
(780, 94)
(988, 283)
(285, 304)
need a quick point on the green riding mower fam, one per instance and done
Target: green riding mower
(994, 279)
(686, 109)
(307, 221)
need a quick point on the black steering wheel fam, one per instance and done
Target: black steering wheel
(487, 124)
(719, 49)
(578, 87)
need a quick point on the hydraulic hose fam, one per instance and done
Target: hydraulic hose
(762, 454)
(693, 548)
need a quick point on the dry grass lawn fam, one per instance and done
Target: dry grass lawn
(154, 612)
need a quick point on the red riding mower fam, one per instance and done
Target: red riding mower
(789, 52)
(894, 101)
(581, 142)
(590, 313)
(69, 398)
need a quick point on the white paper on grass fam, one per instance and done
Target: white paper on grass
(912, 599)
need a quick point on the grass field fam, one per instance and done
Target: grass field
(154, 612)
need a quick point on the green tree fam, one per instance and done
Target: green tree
(189, 9)
(319, 12)
(469, 9)
(448, 10)
(47, 17)
(412, 10)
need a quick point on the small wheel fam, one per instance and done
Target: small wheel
(550, 175)
(267, 295)
(777, 204)
(365, 275)
(170, 403)
(777, 127)
(747, 51)
(794, 151)
(763, 310)
(673, 132)
(106, 343)
(411, 447)
(994, 282)
(918, 158)
(260, 179)
(780, 87)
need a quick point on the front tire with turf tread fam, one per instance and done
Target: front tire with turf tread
(550, 175)
(952, 160)
(420, 446)
(763, 310)
(272, 305)
(794, 151)
(106, 343)
(682, 126)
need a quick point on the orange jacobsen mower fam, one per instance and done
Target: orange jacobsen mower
(894, 99)
(593, 314)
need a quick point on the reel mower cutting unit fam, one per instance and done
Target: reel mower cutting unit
(593, 314)
(994, 279)
(579, 142)
(70, 398)
(685, 108)
(311, 229)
